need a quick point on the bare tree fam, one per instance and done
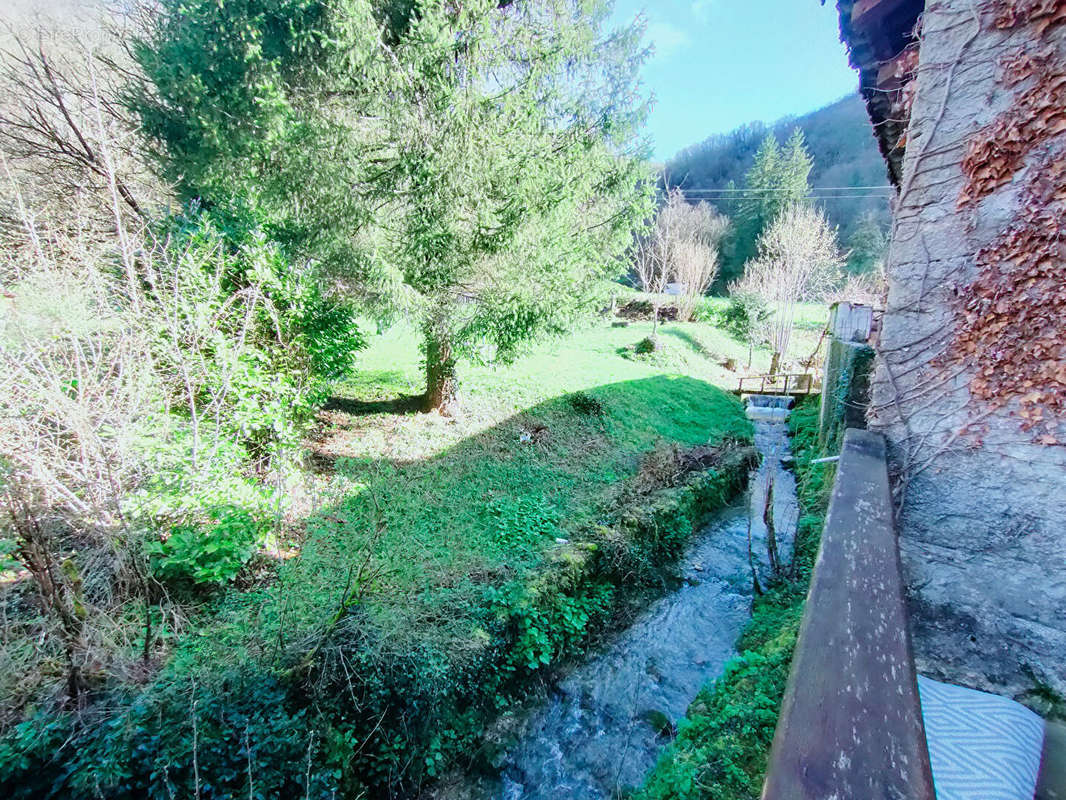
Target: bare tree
(798, 261)
(695, 268)
(867, 288)
(61, 121)
(683, 249)
(653, 265)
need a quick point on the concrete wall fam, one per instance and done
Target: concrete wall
(982, 514)
(845, 391)
(845, 374)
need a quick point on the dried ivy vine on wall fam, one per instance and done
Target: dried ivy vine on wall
(903, 73)
(1012, 318)
(1041, 14)
(1037, 115)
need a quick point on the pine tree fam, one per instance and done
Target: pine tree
(793, 184)
(760, 183)
(519, 174)
(266, 107)
(477, 163)
(778, 179)
(866, 245)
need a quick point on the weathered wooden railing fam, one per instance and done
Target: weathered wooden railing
(781, 383)
(851, 722)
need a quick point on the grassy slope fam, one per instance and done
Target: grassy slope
(457, 516)
(446, 489)
(425, 577)
(459, 498)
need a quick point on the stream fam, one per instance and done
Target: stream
(601, 729)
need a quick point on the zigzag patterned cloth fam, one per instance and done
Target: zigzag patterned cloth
(981, 746)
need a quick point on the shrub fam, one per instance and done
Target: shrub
(743, 316)
(256, 342)
(706, 310)
(245, 345)
(586, 404)
(248, 737)
(647, 345)
(151, 381)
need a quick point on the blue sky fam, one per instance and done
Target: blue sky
(721, 63)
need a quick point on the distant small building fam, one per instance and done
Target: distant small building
(676, 289)
(968, 104)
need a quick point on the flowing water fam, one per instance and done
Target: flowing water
(601, 729)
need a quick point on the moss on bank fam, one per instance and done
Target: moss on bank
(723, 743)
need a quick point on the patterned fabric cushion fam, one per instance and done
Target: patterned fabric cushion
(981, 746)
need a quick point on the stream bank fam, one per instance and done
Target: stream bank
(601, 729)
(722, 746)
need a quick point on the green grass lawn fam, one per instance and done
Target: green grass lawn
(431, 539)
(436, 499)
(590, 357)
(439, 500)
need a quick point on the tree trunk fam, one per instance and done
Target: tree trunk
(442, 385)
(59, 586)
(775, 364)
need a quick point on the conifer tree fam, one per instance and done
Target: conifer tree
(794, 181)
(778, 178)
(866, 245)
(519, 176)
(479, 163)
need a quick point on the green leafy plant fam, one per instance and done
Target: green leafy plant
(522, 521)
(8, 559)
(647, 346)
(706, 310)
(211, 553)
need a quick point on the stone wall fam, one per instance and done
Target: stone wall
(965, 386)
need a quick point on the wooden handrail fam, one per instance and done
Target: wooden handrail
(793, 381)
(851, 721)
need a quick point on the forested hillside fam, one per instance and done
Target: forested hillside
(843, 149)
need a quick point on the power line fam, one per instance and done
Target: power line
(813, 188)
(739, 198)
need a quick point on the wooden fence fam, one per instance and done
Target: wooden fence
(782, 383)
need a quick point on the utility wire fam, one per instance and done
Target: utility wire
(740, 198)
(784, 191)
